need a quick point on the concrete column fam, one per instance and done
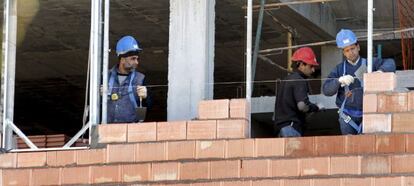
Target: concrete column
(191, 56)
(331, 56)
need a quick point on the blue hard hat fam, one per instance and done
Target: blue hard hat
(127, 44)
(345, 38)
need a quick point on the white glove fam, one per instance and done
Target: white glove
(346, 80)
(142, 91)
(321, 106)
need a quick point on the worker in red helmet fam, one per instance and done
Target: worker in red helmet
(292, 101)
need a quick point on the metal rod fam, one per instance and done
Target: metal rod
(77, 136)
(94, 81)
(370, 28)
(48, 149)
(20, 134)
(105, 63)
(275, 5)
(249, 57)
(257, 41)
(9, 69)
(289, 52)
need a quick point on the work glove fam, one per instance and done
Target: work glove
(346, 80)
(142, 91)
(321, 107)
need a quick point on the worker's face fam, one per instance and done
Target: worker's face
(307, 69)
(351, 52)
(130, 63)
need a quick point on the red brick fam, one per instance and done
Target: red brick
(8, 160)
(240, 148)
(151, 152)
(239, 108)
(142, 132)
(410, 98)
(91, 156)
(75, 175)
(374, 123)
(379, 82)
(194, 170)
(297, 182)
(285, 167)
(235, 128)
(165, 171)
(174, 130)
(235, 183)
(375, 165)
(225, 169)
(106, 174)
(387, 181)
(270, 147)
(64, 158)
(181, 150)
(31, 159)
(409, 144)
(370, 103)
(210, 149)
(202, 129)
(255, 168)
(402, 122)
(136, 172)
(327, 145)
(112, 133)
(409, 180)
(266, 182)
(359, 144)
(48, 176)
(327, 182)
(206, 184)
(392, 102)
(314, 166)
(303, 146)
(345, 165)
(213, 109)
(356, 181)
(390, 143)
(16, 177)
(402, 163)
(121, 153)
(51, 158)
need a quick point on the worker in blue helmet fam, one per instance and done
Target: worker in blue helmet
(126, 87)
(346, 80)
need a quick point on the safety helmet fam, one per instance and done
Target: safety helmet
(305, 55)
(127, 44)
(345, 38)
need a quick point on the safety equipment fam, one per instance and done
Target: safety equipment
(346, 80)
(305, 55)
(142, 91)
(345, 38)
(127, 44)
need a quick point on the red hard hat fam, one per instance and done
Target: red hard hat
(305, 55)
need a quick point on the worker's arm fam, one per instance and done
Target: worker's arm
(332, 84)
(384, 65)
(302, 99)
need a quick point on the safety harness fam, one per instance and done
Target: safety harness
(130, 90)
(356, 113)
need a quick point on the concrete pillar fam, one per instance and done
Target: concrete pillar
(191, 56)
(331, 56)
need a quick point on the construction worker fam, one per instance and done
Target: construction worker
(126, 85)
(346, 81)
(292, 101)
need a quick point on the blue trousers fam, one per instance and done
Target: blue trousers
(289, 131)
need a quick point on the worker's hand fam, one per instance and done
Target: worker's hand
(346, 80)
(142, 91)
(321, 107)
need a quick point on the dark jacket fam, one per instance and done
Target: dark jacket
(332, 86)
(293, 89)
(123, 110)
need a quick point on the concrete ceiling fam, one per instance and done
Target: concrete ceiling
(53, 37)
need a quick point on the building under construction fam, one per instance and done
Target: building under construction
(213, 68)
